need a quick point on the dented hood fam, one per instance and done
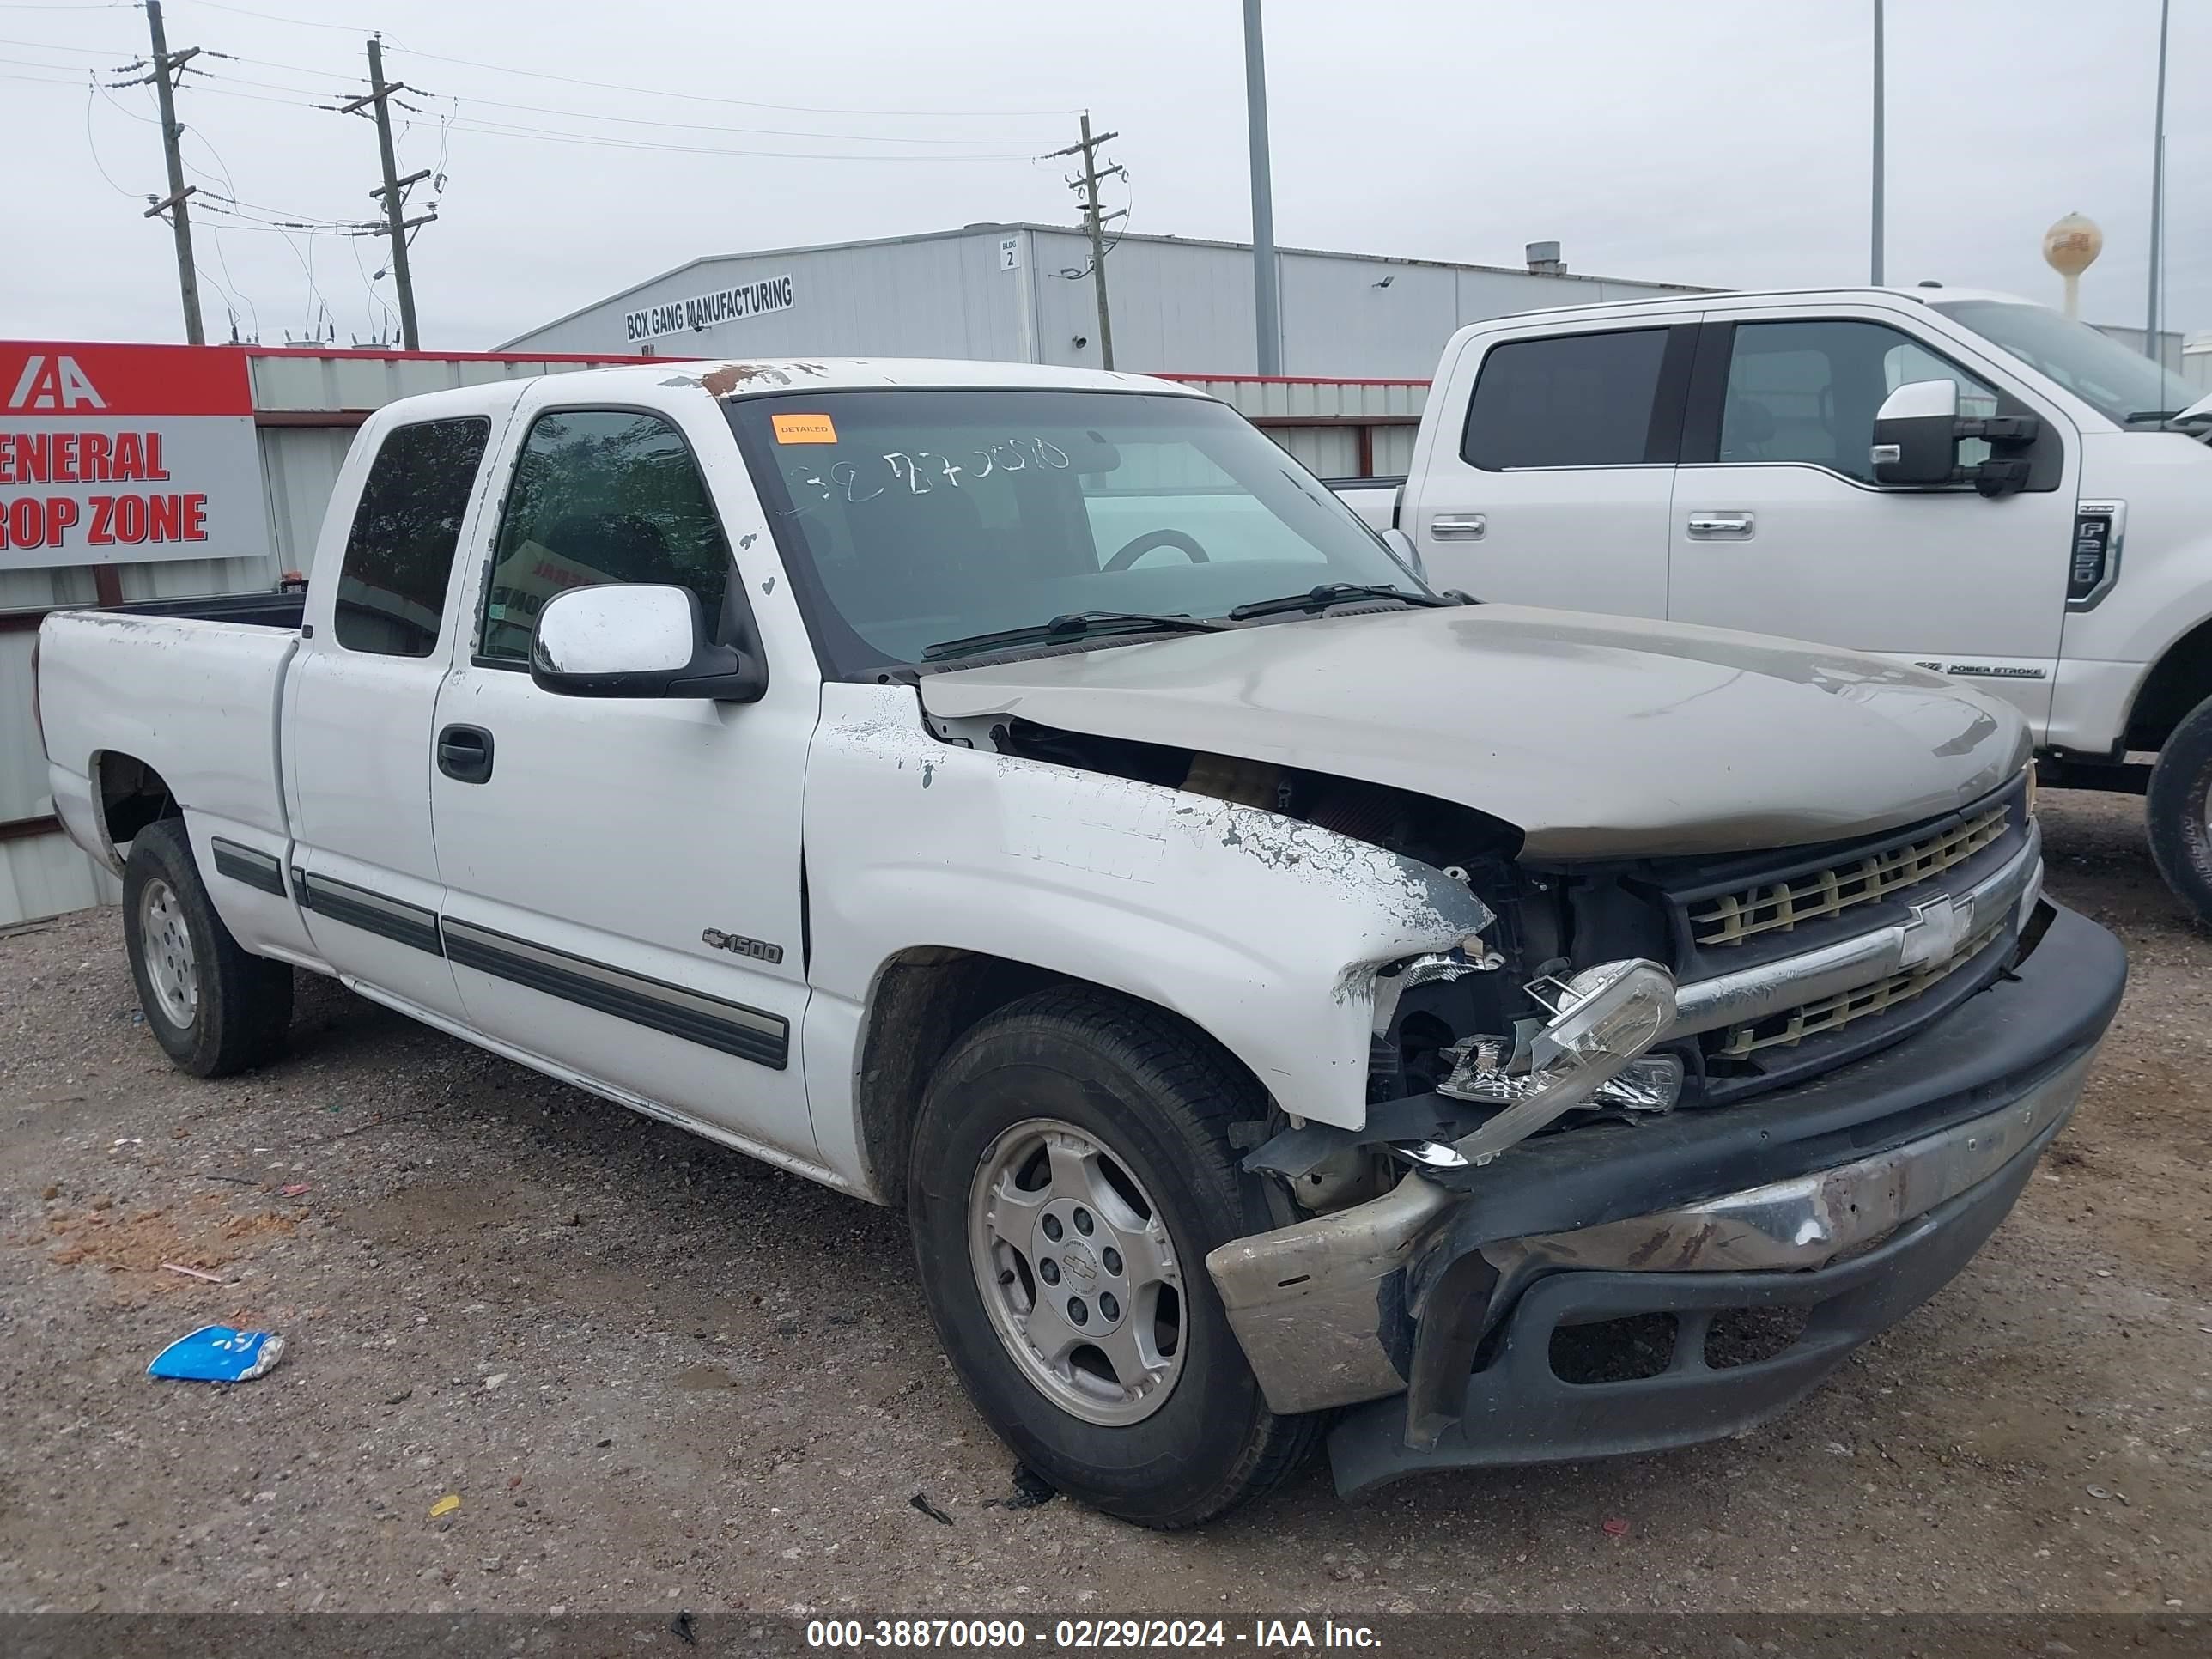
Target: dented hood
(1595, 736)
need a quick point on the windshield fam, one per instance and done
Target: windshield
(2123, 385)
(908, 518)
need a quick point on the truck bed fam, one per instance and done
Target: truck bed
(189, 689)
(284, 609)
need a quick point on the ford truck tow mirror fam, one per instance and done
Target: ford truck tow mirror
(1917, 431)
(637, 639)
(1915, 434)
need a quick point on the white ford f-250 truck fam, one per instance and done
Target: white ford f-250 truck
(1962, 480)
(1283, 998)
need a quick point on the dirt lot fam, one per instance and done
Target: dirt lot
(657, 1375)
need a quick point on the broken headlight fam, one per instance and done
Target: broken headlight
(1589, 1053)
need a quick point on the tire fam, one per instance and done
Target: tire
(213, 1006)
(2176, 811)
(1154, 1101)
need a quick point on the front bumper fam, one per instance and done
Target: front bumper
(1854, 1199)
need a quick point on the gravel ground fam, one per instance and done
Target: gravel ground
(657, 1375)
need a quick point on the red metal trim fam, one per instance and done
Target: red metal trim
(1367, 451)
(1362, 421)
(1288, 380)
(107, 583)
(26, 829)
(26, 622)
(467, 357)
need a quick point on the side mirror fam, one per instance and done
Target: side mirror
(637, 640)
(1916, 434)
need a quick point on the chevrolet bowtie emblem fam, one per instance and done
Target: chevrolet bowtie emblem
(1933, 934)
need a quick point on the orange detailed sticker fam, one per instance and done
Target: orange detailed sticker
(804, 429)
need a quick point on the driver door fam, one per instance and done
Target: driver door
(622, 874)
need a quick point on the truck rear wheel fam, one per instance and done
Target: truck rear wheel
(1071, 1167)
(2178, 811)
(215, 1007)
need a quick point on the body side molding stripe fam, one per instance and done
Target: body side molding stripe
(371, 912)
(249, 865)
(731, 1027)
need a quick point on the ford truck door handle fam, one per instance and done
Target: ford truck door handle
(1459, 527)
(1722, 526)
(465, 753)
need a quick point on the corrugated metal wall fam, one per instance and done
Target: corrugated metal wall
(1177, 303)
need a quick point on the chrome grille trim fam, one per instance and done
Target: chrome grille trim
(1752, 995)
(1780, 907)
(1831, 1014)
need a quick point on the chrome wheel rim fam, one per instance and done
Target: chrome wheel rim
(172, 969)
(1078, 1272)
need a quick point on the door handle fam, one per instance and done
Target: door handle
(1459, 527)
(1722, 526)
(465, 753)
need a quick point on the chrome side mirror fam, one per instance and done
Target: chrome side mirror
(637, 639)
(1916, 434)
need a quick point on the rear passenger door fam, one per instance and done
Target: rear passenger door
(622, 874)
(377, 642)
(1554, 489)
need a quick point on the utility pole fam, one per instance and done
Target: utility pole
(1879, 101)
(165, 68)
(2152, 346)
(1094, 220)
(1266, 304)
(394, 188)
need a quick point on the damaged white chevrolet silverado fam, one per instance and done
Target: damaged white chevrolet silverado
(1287, 1000)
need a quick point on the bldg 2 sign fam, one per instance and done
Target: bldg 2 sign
(113, 454)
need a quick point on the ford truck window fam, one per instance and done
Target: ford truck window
(2121, 385)
(600, 496)
(911, 518)
(1574, 400)
(392, 586)
(1807, 392)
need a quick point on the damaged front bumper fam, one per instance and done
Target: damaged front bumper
(1431, 1310)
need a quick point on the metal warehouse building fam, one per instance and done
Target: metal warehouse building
(1023, 293)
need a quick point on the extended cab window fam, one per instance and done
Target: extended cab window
(399, 556)
(1808, 391)
(1575, 400)
(600, 496)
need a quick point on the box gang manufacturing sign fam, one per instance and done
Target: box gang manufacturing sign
(114, 454)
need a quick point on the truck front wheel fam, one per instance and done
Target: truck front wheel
(2179, 811)
(213, 1006)
(1071, 1167)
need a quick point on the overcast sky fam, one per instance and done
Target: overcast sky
(1707, 141)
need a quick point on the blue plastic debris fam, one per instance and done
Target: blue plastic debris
(216, 1353)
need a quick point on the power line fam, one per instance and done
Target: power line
(167, 69)
(1086, 185)
(742, 103)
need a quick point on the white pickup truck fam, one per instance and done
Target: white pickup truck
(1962, 480)
(1284, 999)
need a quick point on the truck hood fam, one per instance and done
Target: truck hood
(1597, 737)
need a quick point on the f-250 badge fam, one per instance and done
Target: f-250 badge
(737, 945)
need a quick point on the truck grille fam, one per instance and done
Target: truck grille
(1741, 913)
(1732, 918)
(1831, 1014)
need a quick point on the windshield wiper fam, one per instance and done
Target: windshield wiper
(1329, 593)
(1076, 624)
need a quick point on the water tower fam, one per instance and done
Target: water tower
(2070, 247)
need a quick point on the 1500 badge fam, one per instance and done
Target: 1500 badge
(737, 945)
